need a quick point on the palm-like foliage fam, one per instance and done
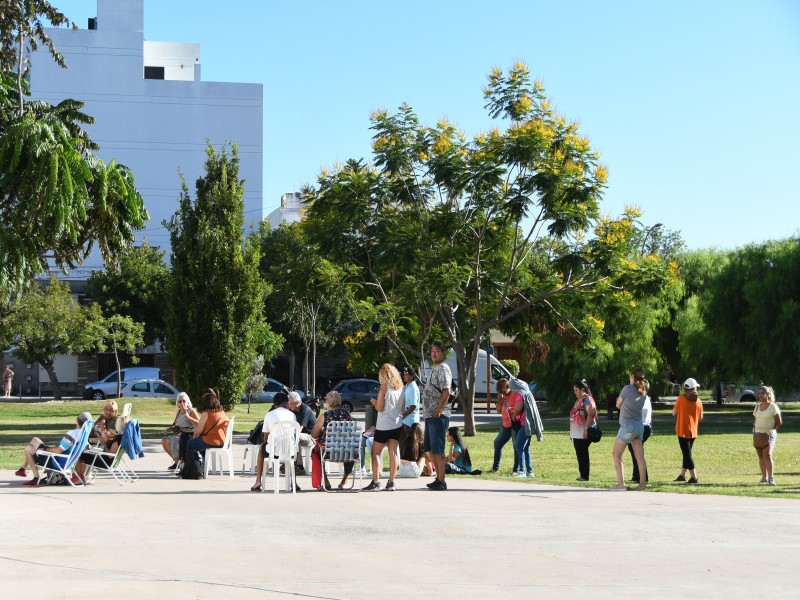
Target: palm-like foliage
(57, 199)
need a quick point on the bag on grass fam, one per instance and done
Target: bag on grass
(193, 467)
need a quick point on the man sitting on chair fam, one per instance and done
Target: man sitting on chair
(34, 460)
(305, 416)
(279, 412)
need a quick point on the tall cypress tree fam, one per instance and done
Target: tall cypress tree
(215, 323)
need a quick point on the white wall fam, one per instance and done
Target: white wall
(155, 127)
(66, 369)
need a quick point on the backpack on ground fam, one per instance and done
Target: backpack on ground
(193, 467)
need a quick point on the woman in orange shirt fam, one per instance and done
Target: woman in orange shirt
(688, 412)
(213, 425)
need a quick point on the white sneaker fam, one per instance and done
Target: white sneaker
(519, 475)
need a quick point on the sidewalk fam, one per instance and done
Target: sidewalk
(172, 538)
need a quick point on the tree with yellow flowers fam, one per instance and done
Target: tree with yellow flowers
(453, 237)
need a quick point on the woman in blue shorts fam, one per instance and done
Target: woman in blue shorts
(631, 427)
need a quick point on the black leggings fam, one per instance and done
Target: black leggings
(686, 449)
(582, 453)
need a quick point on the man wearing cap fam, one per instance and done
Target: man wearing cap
(34, 460)
(436, 410)
(279, 412)
(688, 412)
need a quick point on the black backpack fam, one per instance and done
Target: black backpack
(193, 467)
(256, 436)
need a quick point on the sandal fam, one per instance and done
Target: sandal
(256, 488)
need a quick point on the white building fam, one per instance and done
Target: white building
(153, 113)
(290, 210)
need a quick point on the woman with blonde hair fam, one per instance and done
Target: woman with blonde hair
(388, 426)
(180, 432)
(768, 420)
(631, 427)
(106, 421)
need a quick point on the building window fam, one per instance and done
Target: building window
(154, 72)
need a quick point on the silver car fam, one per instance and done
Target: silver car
(148, 388)
(272, 387)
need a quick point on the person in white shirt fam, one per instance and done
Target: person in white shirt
(278, 413)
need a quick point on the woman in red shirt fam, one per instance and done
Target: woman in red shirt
(506, 400)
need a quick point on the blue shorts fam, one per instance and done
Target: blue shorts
(630, 431)
(435, 434)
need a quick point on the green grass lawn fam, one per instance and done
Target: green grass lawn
(726, 461)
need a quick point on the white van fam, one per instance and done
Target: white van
(107, 387)
(496, 372)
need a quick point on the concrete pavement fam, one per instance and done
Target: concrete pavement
(215, 539)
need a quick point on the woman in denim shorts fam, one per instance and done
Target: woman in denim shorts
(631, 427)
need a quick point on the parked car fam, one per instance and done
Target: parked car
(357, 392)
(273, 387)
(148, 388)
(107, 387)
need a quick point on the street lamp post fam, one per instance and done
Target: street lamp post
(647, 234)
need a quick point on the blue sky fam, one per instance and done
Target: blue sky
(693, 105)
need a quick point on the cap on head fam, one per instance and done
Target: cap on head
(691, 384)
(84, 416)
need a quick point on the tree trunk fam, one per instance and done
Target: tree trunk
(119, 370)
(51, 373)
(313, 389)
(19, 73)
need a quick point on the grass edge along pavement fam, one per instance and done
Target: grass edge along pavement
(726, 461)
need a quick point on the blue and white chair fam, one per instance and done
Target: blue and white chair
(63, 464)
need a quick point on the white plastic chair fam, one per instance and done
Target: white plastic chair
(252, 450)
(282, 445)
(226, 450)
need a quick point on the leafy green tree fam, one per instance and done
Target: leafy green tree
(754, 312)
(57, 199)
(307, 303)
(699, 353)
(452, 236)
(138, 290)
(46, 322)
(215, 321)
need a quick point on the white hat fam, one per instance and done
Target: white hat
(691, 384)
